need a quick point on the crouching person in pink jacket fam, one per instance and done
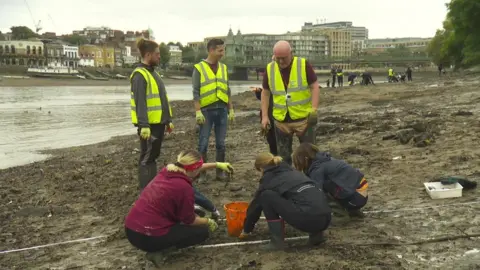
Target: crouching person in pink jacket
(163, 219)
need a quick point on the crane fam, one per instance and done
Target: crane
(38, 25)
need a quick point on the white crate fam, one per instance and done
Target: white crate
(437, 190)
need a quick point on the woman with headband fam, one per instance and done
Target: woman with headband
(163, 218)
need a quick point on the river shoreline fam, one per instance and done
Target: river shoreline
(33, 82)
(86, 191)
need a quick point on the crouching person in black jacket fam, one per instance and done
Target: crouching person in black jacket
(285, 194)
(339, 179)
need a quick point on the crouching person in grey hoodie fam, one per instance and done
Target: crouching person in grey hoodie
(339, 179)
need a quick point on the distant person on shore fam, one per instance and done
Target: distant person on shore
(296, 93)
(367, 78)
(286, 195)
(163, 218)
(333, 72)
(409, 74)
(212, 101)
(440, 69)
(391, 75)
(150, 110)
(269, 133)
(340, 77)
(346, 184)
(351, 79)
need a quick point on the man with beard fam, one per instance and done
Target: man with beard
(150, 110)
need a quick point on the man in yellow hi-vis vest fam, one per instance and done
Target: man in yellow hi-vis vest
(296, 93)
(213, 105)
(150, 111)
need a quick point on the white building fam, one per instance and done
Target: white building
(130, 60)
(86, 62)
(175, 55)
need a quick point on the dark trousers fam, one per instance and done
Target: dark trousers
(340, 81)
(149, 152)
(334, 78)
(409, 77)
(275, 206)
(354, 202)
(271, 139)
(179, 236)
(203, 201)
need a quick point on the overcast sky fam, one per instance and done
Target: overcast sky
(191, 20)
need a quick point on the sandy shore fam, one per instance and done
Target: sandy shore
(87, 191)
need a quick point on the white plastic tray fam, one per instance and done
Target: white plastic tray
(437, 190)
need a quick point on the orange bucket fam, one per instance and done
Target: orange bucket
(235, 213)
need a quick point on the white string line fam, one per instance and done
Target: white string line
(245, 243)
(54, 244)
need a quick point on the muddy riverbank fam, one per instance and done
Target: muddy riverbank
(86, 191)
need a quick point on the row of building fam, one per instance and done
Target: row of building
(105, 48)
(338, 40)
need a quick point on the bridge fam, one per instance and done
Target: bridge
(239, 71)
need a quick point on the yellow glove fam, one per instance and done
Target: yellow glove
(244, 235)
(225, 166)
(212, 225)
(145, 133)
(199, 117)
(312, 117)
(170, 127)
(231, 115)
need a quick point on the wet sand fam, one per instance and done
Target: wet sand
(87, 191)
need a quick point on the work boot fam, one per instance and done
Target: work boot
(277, 232)
(221, 175)
(199, 211)
(158, 258)
(146, 173)
(315, 239)
(202, 177)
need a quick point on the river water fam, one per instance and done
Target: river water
(53, 117)
(40, 118)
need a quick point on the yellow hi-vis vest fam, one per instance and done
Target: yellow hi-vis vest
(340, 74)
(154, 103)
(213, 87)
(390, 72)
(297, 98)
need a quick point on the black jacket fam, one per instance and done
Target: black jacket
(335, 176)
(286, 182)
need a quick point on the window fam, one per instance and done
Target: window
(40, 50)
(12, 48)
(28, 49)
(1, 49)
(34, 50)
(7, 50)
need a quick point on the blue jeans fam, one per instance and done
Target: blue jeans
(203, 202)
(218, 119)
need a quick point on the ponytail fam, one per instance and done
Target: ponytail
(266, 159)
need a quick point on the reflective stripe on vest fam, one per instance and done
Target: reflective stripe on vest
(154, 103)
(339, 74)
(297, 98)
(213, 87)
(390, 72)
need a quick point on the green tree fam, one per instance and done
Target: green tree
(201, 53)
(459, 40)
(22, 33)
(188, 55)
(164, 55)
(75, 39)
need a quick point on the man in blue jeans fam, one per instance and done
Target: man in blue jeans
(213, 106)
